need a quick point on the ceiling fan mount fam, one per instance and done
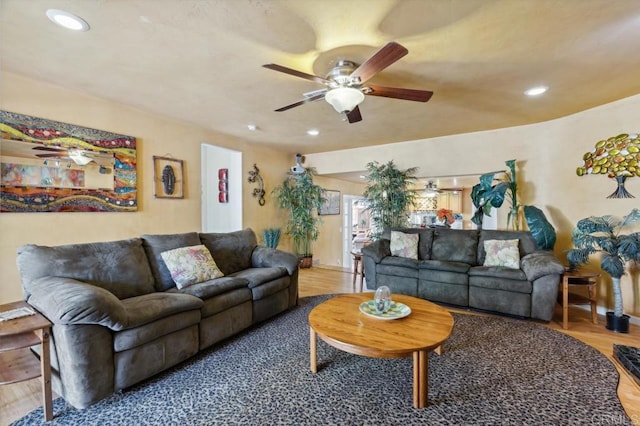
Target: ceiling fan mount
(346, 83)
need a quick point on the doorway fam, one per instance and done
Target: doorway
(221, 213)
(356, 225)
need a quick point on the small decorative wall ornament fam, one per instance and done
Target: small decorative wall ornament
(254, 177)
(223, 185)
(618, 157)
(168, 177)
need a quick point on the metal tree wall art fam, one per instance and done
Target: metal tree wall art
(616, 157)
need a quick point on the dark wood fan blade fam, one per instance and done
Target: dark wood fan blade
(399, 93)
(60, 155)
(302, 102)
(384, 57)
(48, 148)
(354, 116)
(297, 73)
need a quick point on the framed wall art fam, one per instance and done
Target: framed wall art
(331, 203)
(50, 166)
(168, 177)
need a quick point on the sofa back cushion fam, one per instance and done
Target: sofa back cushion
(155, 245)
(231, 250)
(119, 267)
(455, 245)
(424, 243)
(526, 243)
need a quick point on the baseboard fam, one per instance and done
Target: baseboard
(603, 311)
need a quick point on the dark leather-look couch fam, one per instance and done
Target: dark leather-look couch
(449, 269)
(118, 317)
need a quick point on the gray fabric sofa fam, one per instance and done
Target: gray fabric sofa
(118, 318)
(450, 270)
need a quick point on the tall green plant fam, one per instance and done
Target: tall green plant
(388, 196)
(486, 195)
(603, 235)
(302, 198)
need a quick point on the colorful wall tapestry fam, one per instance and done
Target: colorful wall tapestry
(53, 197)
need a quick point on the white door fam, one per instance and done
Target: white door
(221, 214)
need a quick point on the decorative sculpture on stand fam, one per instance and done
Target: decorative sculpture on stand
(616, 157)
(254, 176)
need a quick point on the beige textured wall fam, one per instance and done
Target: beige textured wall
(156, 135)
(547, 155)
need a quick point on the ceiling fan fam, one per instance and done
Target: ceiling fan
(79, 156)
(346, 83)
(431, 189)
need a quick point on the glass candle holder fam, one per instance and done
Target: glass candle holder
(383, 299)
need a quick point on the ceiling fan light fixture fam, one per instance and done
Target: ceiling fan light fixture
(344, 99)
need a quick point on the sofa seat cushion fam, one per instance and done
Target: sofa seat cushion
(258, 276)
(130, 338)
(270, 287)
(498, 272)
(224, 301)
(443, 265)
(154, 245)
(403, 262)
(212, 288)
(504, 284)
(154, 306)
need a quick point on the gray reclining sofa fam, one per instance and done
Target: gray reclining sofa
(450, 269)
(118, 317)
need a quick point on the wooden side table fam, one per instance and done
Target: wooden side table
(358, 269)
(583, 278)
(17, 362)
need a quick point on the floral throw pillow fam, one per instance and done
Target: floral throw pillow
(502, 253)
(190, 265)
(404, 245)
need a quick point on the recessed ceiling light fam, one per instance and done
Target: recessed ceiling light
(535, 91)
(313, 132)
(252, 127)
(67, 20)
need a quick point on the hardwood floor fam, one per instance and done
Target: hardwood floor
(18, 399)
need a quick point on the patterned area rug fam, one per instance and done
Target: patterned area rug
(493, 370)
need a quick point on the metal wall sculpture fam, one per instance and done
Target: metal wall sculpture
(617, 157)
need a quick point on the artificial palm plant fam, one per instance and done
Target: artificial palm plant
(486, 195)
(302, 198)
(604, 235)
(388, 196)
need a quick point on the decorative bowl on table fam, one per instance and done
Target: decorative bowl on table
(396, 310)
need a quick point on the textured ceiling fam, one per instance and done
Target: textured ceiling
(200, 61)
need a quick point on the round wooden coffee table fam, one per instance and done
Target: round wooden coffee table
(339, 322)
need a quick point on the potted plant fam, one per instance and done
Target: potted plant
(603, 235)
(486, 195)
(302, 198)
(271, 237)
(445, 217)
(388, 196)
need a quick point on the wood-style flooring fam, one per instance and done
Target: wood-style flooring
(18, 399)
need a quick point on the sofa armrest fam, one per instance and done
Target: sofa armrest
(539, 264)
(377, 250)
(265, 257)
(68, 302)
